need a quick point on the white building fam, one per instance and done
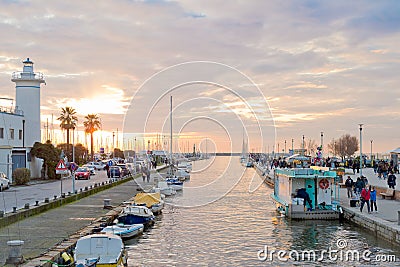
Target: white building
(20, 125)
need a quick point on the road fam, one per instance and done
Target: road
(18, 196)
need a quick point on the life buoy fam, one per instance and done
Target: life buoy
(323, 183)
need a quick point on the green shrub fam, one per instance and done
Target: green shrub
(21, 176)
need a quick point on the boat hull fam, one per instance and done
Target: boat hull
(124, 231)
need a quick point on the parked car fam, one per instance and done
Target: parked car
(82, 173)
(97, 165)
(114, 172)
(4, 182)
(92, 169)
(125, 170)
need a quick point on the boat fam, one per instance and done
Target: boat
(165, 189)
(152, 201)
(175, 183)
(182, 174)
(124, 231)
(133, 214)
(100, 250)
(307, 193)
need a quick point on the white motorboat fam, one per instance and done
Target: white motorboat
(133, 214)
(124, 231)
(100, 250)
(165, 188)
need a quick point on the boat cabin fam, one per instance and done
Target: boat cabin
(307, 193)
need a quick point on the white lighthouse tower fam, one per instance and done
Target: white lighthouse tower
(27, 84)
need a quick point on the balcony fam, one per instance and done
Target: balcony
(27, 76)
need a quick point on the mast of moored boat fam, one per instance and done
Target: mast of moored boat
(170, 121)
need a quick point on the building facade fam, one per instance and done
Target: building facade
(20, 124)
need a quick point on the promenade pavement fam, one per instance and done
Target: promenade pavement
(47, 229)
(387, 208)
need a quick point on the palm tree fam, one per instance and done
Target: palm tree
(68, 120)
(92, 123)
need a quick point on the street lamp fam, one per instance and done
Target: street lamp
(361, 159)
(303, 152)
(371, 151)
(322, 142)
(285, 146)
(292, 147)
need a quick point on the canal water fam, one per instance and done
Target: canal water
(225, 217)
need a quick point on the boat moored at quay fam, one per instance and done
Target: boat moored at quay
(307, 193)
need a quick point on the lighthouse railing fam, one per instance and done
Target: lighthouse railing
(27, 76)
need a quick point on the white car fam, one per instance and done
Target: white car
(97, 165)
(4, 182)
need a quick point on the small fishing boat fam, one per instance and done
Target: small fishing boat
(133, 214)
(100, 250)
(152, 201)
(165, 189)
(182, 174)
(306, 193)
(175, 183)
(124, 231)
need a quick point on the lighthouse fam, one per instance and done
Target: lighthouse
(27, 85)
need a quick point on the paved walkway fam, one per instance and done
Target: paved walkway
(47, 229)
(387, 208)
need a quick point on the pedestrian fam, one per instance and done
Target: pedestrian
(349, 185)
(365, 198)
(143, 170)
(107, 168)
(148, 175)
(354, 167)
(373, 199)
(359, 185)
(391, 180)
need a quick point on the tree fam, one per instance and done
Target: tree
(50, 156)
(80, 152)
(311, 147)
(92, 124)
(345, 146)
(68, 121)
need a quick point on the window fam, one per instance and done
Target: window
(1, 133)
(20, 134)
(11, 134)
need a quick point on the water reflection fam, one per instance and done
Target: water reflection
(230, 231)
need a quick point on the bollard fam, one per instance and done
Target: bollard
(26, 206)
(63, 195)
(102, 183)
(14, 209)
(55, 197)
(80, 190)
(37, 203)
(14, 255)
(46, 200)
(107, 203)
(398, 217)
(1, 213)
(86, 188)
(76, 192)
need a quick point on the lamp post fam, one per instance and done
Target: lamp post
(285, 146)
(292, 147)
(322, 142)
(371, 152)
(361, 159)
(303, 146)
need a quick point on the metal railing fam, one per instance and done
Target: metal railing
(11, 110)
(27, 76)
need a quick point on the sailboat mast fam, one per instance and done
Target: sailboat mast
(170, 121)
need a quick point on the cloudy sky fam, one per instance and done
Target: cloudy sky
(234, 68)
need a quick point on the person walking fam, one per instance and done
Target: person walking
(359, 185)
(349, 185)
(391, 180)
(143, 170)
(365, 198)
(373, 198)
(148, 175)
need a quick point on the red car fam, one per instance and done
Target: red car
(82, 173)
